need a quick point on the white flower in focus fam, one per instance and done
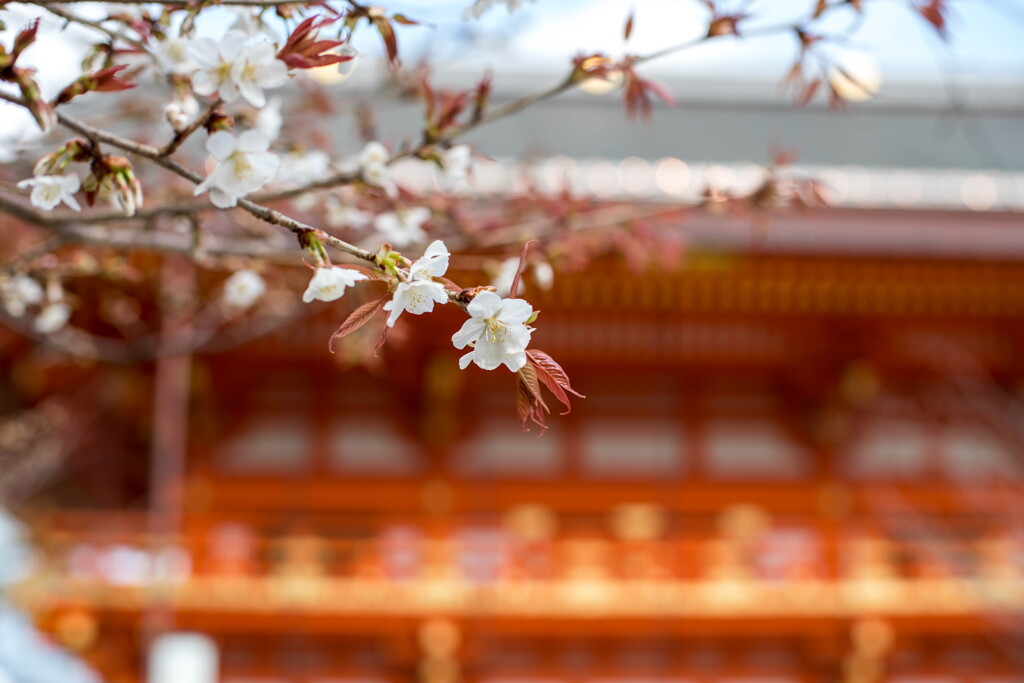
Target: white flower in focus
(456, 162)
(404, 227)
(419, 293)
(52, 318)
(497, 332)
(215, 62)
(19, 293)
(174, 57)
(303, 168)
(243, 289)
(339, 214)
(244, 166)
(258, 68)
(855, 76)
(50, 190)
(329, 283)
(235, 67)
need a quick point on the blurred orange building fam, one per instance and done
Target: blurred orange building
(799, 459)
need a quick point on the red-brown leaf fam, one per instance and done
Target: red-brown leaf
(934, 12)
(553, 377)
(529, 404)
(387, 34)
(357, 319)
(404, 20)
(628, 30)
(519, 271)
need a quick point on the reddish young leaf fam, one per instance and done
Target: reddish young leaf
(387, 34)
(934, 12)
(481, 96)
(638, 91)
(553, 377)
(628, 30)
(529, 404)
(404, 20)
(304, 51)
(380, 340)
(357, 319)
(514, 289)
(25, 37)
(104, 80)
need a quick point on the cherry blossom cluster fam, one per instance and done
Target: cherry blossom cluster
(497, 332)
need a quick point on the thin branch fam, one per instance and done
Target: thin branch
(264, 213)
(131, 239)
(59, 11)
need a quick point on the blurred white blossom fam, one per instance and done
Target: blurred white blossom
(52, 318)
(243, 289)
(404, 227)
(20, 292)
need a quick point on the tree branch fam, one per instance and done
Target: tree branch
(264, 213)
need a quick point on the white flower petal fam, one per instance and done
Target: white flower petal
(469, 332)
(515, 311)
(484, 305)
(221, 145)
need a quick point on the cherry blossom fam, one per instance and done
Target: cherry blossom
(303, 168)
(456, 162)
(507, 270)
(174, 56)
(259, 68)
(50, 190)
(243, 289)
(20, 292)
(245, 165)
(403, 227)
(373, 164)
(340, 213)
(329, 283)
(419, 292)
(269, 119)
(236, 66)
(52, 318)
(496, 332)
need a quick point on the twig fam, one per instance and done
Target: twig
(181, 136)
(59, 11)
(264, 213)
